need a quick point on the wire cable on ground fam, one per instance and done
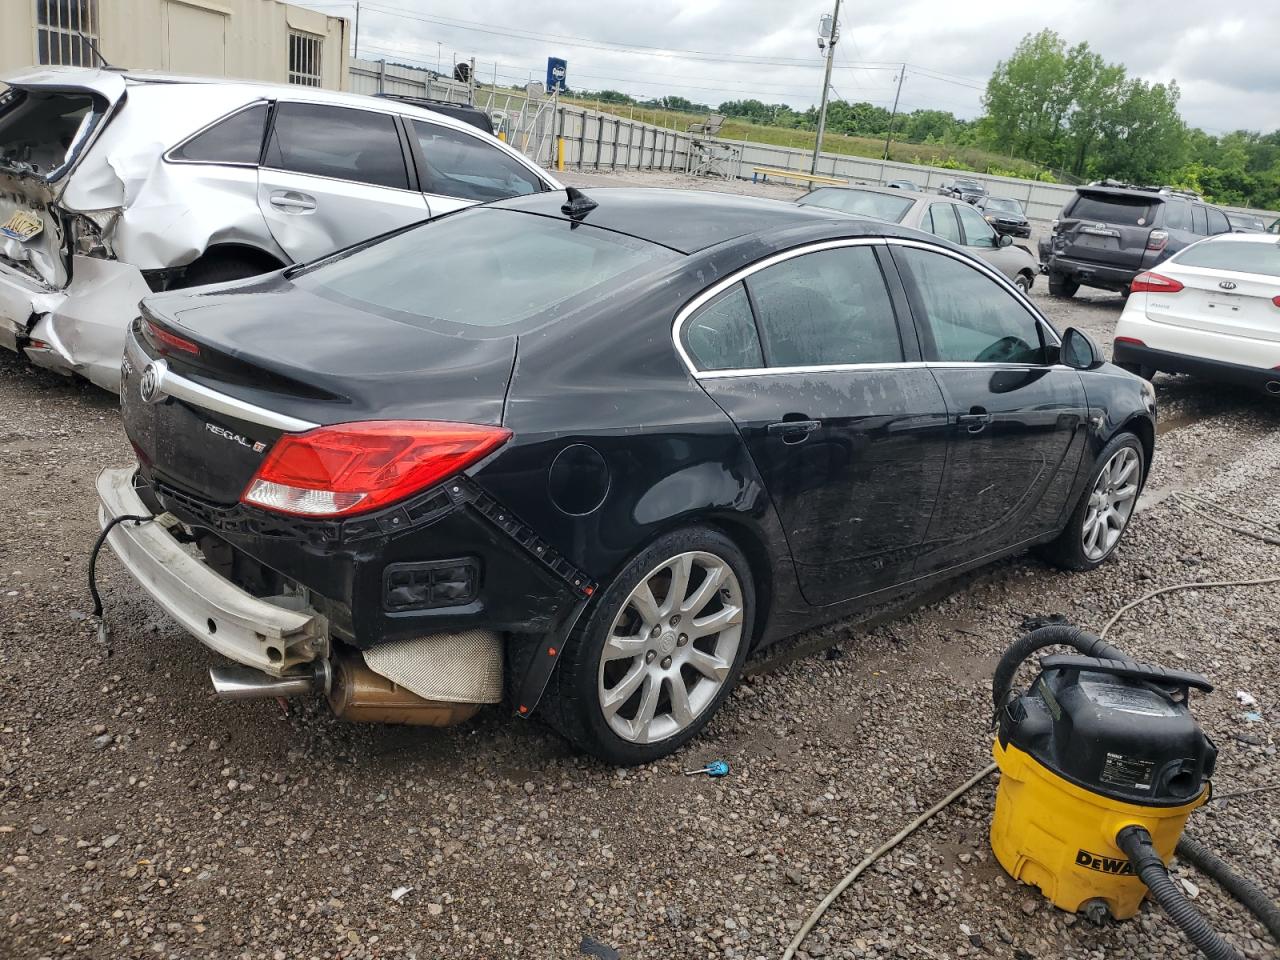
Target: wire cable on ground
(807, 927)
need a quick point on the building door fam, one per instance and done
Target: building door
(196, 40)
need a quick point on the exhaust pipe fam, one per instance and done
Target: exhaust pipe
(246, 683)
(1273, 387)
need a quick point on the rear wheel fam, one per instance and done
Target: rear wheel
(1101, 517)
(1060, 285)
(659, 652)
(223, 267)
(1023, 281)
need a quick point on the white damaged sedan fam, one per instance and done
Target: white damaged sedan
(115, 185)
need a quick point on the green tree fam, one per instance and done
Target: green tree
(1029, 98)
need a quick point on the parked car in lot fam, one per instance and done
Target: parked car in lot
(429, 462)
(1246, 223)
(1107, 234)
(950, 219)
(902, 185)
(114, 185)
(1006, 215)
(1213, 310)
(970, 191)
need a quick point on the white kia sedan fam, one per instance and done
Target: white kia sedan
(1212, 309)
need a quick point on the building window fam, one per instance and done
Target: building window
(304, 59)
(67, 31)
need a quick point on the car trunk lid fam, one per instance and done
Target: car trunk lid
(255, 378)
(1220, 301)
(1110, 229)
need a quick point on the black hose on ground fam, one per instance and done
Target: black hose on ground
(1138, 847)
(1246, 891)
(1055, 634)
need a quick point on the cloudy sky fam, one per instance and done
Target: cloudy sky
(715, 50)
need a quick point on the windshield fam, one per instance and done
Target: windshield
(971, 185)
(1004, 203)
(485, 268)
(1262, 257)
(38, 131)
(1105, 208)
(862, 203)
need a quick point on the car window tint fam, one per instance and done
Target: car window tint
(235, 139)
(865, 203)
(1198, 222)
(722, 335)
(977, 232)
(1109, 208)
(1177, 215)
(942, 221)
(1245, 257)
(970, 316)
(829, 307)
(326, 141)
(456, 164)
(1218, 222)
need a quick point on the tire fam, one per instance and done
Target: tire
(598, 704)
(1139, 370)
(1071, 550)
(1023, 282)
(1060, 285)
(221, 268)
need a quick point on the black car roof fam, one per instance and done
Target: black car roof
(683, 220)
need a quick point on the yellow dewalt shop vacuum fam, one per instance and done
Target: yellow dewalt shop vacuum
(1101, 764)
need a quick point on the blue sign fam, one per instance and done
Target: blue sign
(557, 70)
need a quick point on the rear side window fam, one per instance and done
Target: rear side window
(456, 164)
(1218, 222)
(941, 221)
(1199, 223)
(1260, 258)
(336, 142)
(722, 335)
(1121, 210)
(971, 318)
(829, 307)
(483, 272)
(235, 139)
(40, 131)
(1177, 215)
(863, 203)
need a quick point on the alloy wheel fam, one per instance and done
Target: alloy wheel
(1111, 503)
(671, 647)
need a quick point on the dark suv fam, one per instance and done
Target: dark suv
(1107, 234)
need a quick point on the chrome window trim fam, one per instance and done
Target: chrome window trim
(167, 158)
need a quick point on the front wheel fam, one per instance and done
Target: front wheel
(1101, 517)
(659, 652)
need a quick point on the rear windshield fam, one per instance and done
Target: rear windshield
(38, 131)
(863, 203)
(1261, 258)
(1003, 203)
(483, 269)
(1125, 211)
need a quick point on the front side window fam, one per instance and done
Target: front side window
(977, 232)
(456, 164)
(941, 221)
(304, 58)
(722, 335)
(829, 307)
(234, 139)
(337, 142)
(967, 316)
(66, 32)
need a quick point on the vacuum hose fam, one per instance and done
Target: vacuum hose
(1055, 634)
(1244, 890)
(1139, 848)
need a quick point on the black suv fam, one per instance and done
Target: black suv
(970, 191)
(1109, 233)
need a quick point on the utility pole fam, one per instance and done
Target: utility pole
(901, 73)
(356, 55)
(826, 84)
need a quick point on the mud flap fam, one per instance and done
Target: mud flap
(544, 661)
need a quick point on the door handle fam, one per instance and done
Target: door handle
(976, 420)
(293, 201)
(794, 431)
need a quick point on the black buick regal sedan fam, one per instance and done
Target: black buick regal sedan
(583, 454)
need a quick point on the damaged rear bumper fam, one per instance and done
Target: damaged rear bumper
(23, 300)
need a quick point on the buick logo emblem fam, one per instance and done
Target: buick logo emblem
(1227, 284)
(149, 385)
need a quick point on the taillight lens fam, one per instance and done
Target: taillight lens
(356, 467)
(1157, 240)
(168, 342)
(1276, 300)
(1132, 341)
(1151, 282)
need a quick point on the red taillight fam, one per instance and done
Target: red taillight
(1151, 282)
(1276, 300)
(167, 342)
(356, 467)
(1132, 341)
(1157, 240)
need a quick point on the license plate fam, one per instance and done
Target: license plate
(1094, 241)
(22, 226)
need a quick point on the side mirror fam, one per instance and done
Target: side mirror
(1080, 351)
(1006, 240)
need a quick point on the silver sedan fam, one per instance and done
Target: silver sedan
(952, 220)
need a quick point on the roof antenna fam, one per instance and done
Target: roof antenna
(96, 52)
(579, 204)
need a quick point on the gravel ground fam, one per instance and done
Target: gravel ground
(142, 818)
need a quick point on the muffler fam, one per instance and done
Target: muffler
(246, 683)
